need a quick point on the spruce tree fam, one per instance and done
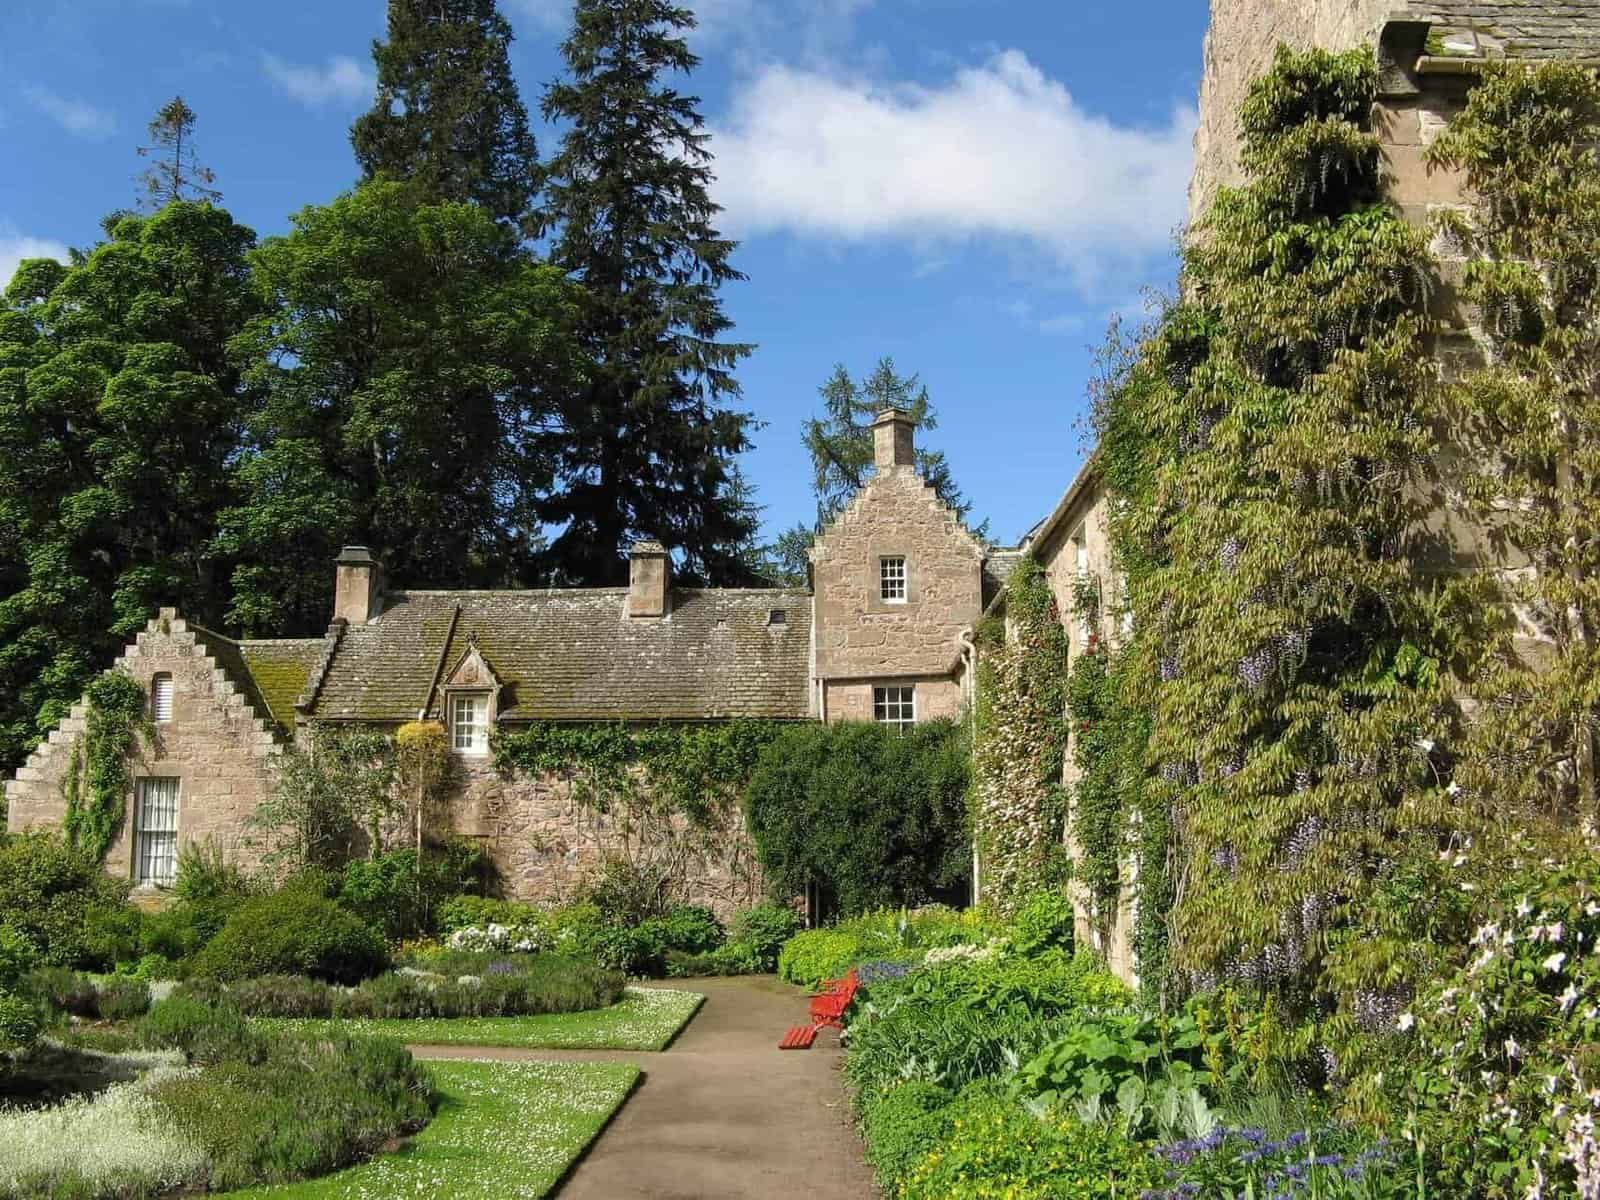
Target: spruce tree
(176, 172)
(647, 446)
(448, 116)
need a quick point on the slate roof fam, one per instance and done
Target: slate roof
(997, 570)
(1520, 29)
(270, 675)
(572, 654)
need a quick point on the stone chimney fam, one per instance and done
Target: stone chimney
(357, 586)
(649, 580)
(893, 444)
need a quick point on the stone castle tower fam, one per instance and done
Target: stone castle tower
(1448, 35)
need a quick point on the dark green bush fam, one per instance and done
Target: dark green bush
(764, 929)
(469, 912)
(72, 912)
(208, 891)
(642, 949)
(293, 932)
(393, 893)
(873, 815)
(121, 998)
(63, 990)
(293, 1108)
(546, 984)
(282, 996)
(18, 956)
(20, 1021)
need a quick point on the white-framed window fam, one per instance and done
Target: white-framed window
(894, 706)
(161, 698)
(155, 830)
(892, 580)
(469, 722)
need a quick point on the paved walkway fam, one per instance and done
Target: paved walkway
(722, 1114)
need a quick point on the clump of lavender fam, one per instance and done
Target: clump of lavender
(1248, 1162)
(501, 967)
(882, 971)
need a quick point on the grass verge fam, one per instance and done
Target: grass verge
(503, 1131)
(646, 1019)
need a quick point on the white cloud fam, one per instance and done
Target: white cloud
(14, 247)
(75, 116)
(341, 79)
(795, 26)
(1001, 151)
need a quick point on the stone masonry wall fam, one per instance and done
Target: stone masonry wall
(221, 752)
(1245, 34)
(859, 636)
(546, 844)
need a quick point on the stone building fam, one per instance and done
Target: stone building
(883, 634)
(1428, 57)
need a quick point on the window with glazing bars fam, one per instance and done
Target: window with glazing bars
(892, 580)
(894, 706)
(469, 723)
(155, 831)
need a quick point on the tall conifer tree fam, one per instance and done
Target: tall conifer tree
(448, 116)
(647, 446)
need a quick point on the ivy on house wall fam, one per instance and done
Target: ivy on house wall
(98, 778)
(1018, 797)
(1265, 445)
(670, 793)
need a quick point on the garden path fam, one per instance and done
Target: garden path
(722, 1114)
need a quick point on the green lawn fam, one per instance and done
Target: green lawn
(646, 1019)
(503, 1130)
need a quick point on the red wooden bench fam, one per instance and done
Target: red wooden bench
(827, 1009)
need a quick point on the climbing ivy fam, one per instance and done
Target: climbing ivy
(1527, 423)
(1018, 800)
(1265, 445)
(98, 779)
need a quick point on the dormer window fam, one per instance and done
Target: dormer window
(161, 698)
(892, 580)
(469, 722)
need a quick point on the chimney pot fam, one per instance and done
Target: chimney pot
(357, 586)
(649, 580)
(893, 440)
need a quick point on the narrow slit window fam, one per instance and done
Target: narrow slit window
(155, 831)
(895, 706)
(892, 580)
(161, 698)
(469, 723)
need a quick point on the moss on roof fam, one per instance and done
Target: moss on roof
(280, 671)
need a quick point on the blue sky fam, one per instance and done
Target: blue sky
(971, 186)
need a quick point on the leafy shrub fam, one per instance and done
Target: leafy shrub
(63, 990)
(643, 949)
(889, 935)
(629, 894)
(206, 1033)
(208, 890)
(396, 893)
(293, 932)
(985, 1144)
(1043, 921)
(547, 984)
(20, 1021)
(69, 910)
(464, 912)
(764, 929)
(120, 998)
(873, 814)
(282, 996)
(576, 929)
(896, 1129)
(730, 958)
(18, 956)
(292, 1108)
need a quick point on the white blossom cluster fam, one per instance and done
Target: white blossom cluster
(494, 939)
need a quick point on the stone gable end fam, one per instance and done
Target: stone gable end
(218, 747)
(858, 634)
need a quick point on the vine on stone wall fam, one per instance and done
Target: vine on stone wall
(1265, 446)
(98, 778)
(670, 793)
(1018, 800)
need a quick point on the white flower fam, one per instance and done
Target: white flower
(1406, 1022)
(1524, 907)
(1512, 1049)
(1425, 745)
(1554, 962)
(1454, 789)
(1569, 998)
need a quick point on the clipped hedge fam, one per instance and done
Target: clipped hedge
(293, 932)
